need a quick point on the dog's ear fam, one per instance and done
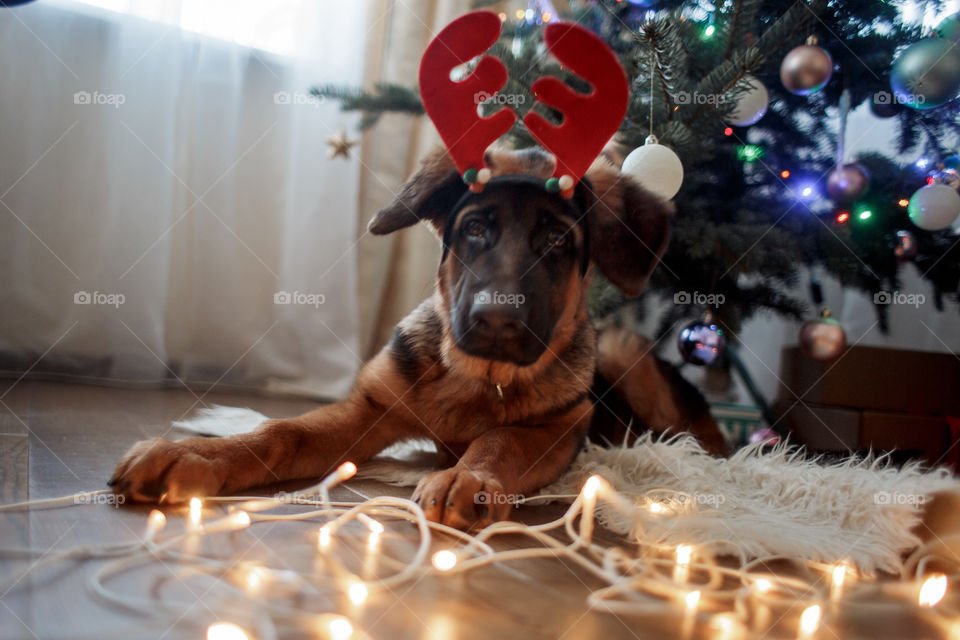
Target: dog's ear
(629, 227)
(428, 195)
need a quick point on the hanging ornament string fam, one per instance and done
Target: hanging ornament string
(842, 129)
(653, 77)
(847, 183)
(653, 165)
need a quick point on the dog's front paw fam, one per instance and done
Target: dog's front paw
(463, 499)
(162, 471)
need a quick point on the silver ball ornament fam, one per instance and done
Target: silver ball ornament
(701, 342)
(927, 74)
(848, 183)
(752, 104)
(934, 207)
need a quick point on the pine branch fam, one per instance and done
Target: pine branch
(385, 97)
(743, 18)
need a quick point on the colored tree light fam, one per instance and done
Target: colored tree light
(842, 217)
(749, 152)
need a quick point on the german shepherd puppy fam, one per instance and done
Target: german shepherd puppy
(496, 367)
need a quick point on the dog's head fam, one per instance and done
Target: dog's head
(516, 257)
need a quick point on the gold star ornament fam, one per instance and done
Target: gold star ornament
(340, 145)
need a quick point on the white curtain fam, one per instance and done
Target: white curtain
(161, 189)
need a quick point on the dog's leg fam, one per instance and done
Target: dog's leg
(659, 397)
(308, 446)
(501, 466)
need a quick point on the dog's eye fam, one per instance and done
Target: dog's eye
(558, 238)
(475, 228)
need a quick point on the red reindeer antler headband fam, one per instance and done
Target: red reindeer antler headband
(589, 120)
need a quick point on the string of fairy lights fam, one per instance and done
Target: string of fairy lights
(712, 590)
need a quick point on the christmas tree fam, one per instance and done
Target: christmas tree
(752, 97)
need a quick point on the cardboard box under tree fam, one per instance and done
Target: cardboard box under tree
(871, 398)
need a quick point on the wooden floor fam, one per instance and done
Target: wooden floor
(57, 439)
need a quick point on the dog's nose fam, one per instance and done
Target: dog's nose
(502, 319)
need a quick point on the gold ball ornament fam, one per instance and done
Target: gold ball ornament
(822, 339)
(806, 69)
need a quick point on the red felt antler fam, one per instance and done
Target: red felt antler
(590, 120)
(453, 105)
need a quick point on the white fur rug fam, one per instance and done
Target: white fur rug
(775, 502)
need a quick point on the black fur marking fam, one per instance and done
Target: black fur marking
(613, 420)
(404, 352)
(566, 406)
(373, 404)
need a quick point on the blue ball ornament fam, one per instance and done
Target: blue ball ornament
(927, 74)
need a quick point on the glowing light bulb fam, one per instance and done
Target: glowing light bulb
(591, 487)
(373, 540)
(343, 473)
(933, 590)
(726, 625)
(254, 579)
(692, 599)
(196, 510)
(373, 525)
(763, 585)
(358, 593)
(807, 192)
(709, 31)
(225, 631)
(684, 552)
(156, 521)
(444, 560)
(546, 16)
(340, 629)
(324, 537)
(785, 174)
(520, 13)
(809, 621)
(904, 203)
(240, 519)
(839, 574)
(656, 507)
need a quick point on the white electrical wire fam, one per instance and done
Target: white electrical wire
(645, 578)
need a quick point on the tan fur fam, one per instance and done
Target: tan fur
(432, 389)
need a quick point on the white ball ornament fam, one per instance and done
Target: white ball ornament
(656, 167)
(934, 207)
(751, 104)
